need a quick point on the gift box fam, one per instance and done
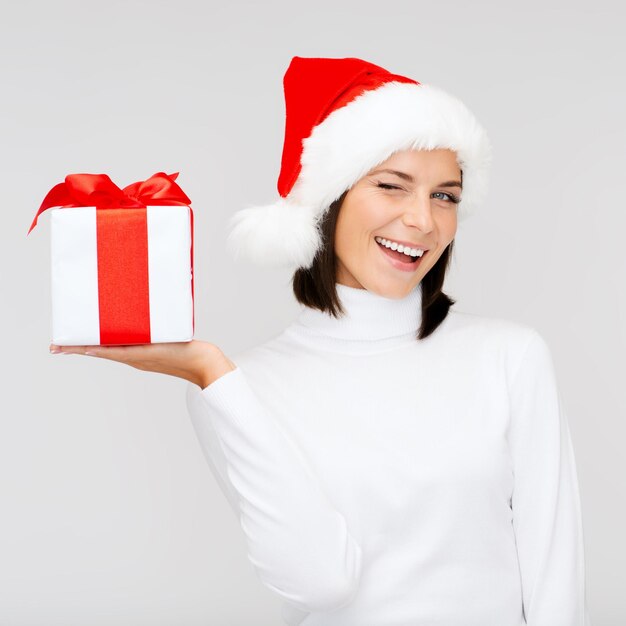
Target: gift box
(121, 261)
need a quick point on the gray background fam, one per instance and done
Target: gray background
(109, 512)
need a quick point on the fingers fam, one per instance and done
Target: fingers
(123, 354)
(88, 350)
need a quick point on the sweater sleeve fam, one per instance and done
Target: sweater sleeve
(545, 501)
(298, 543)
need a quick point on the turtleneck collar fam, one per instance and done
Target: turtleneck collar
(368, 316)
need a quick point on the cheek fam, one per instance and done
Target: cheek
(373, 214)
(446, 225)
(356, 222)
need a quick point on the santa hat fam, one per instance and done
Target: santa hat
(344, 117)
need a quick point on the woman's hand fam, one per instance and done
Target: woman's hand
(198, 362)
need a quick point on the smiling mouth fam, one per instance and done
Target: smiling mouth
(404, 258)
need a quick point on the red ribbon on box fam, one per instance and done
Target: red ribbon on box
(122, 262)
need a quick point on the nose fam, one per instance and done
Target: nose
(419, 213)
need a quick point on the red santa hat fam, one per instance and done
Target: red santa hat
(344, 117)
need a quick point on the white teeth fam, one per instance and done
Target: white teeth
(399, 247)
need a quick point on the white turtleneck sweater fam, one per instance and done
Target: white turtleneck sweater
(384, 481)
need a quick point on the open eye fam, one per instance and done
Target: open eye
(451, 196)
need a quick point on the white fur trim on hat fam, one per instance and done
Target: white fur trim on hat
(344, 147)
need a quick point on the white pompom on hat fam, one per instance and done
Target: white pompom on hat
(344, 117)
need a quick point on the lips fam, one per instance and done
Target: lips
(405, 264)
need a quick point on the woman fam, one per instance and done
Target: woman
(390, 460)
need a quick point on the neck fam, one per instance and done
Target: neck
(368, 317)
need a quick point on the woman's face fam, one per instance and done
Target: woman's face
(414, 205)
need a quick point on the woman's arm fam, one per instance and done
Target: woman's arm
(546, 506)
(298, 543)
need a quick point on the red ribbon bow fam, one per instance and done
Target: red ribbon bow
(100, 191)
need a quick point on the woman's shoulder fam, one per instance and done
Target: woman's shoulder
(269, 352)
(490, 330)
(462, 332)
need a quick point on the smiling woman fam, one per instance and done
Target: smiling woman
(407, 203)
(414, 215)
(390, 459)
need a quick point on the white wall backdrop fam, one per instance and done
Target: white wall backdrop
(109, 512)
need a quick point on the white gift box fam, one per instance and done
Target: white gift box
(80, 305)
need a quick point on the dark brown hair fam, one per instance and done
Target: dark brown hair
(315, 286)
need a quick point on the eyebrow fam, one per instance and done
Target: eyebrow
(409, 178)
